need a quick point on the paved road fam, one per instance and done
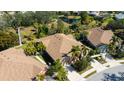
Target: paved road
(101, 76)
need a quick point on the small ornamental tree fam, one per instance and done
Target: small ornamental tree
(57, 71)
(81, 64)
(39, 46)
(39, 77)
(30, 49)
(33, 47)
(54, 68)
(61, 75)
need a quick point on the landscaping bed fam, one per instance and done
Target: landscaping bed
(90, 74)
(86, 69)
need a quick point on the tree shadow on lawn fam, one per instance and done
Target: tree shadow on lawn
(113, 77)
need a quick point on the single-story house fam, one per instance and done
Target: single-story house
(99, 37)
(59, 45)
(16, 66)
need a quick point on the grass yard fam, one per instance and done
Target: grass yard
(88, 68)
(121, 62)
(90, 74)
(120, 58)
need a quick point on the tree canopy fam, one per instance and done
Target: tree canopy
(7, 40)
(57, 71)
(32, 48)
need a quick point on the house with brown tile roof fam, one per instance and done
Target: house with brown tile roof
(59, 44)
(98, 36)
(16, 66)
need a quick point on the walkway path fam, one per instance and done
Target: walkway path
(97, 66)
(107, 57)
(88, 72)
(110, 61)
(73, 75)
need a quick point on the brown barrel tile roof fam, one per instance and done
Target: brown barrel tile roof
(59, 44)
(97, 36)
(15, 65)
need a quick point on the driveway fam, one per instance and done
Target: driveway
(73, 75)
(97, 66)
(107, 57)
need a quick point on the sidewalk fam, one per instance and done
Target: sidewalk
(88, 72)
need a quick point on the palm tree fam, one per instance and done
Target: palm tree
(84, 51)
(113, 46)
(75, 53)
(115, 40)
(16, 24)
(38, 28)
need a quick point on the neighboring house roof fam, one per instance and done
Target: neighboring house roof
(59, 44)
(15, 65)
(97, 36)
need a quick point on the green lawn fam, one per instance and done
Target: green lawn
(90, 74)
(121, 62)
(120, 58)
(88, 68)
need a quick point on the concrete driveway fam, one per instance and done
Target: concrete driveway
(73, 75)
(97, 66)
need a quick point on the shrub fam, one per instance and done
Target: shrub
(81, 64)
(39, 77)
(33, 47)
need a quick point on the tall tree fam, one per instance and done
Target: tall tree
(44, 17)
(60, 26)
(16, 24)
(41, 29)
(7, 40)
(113, 46)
